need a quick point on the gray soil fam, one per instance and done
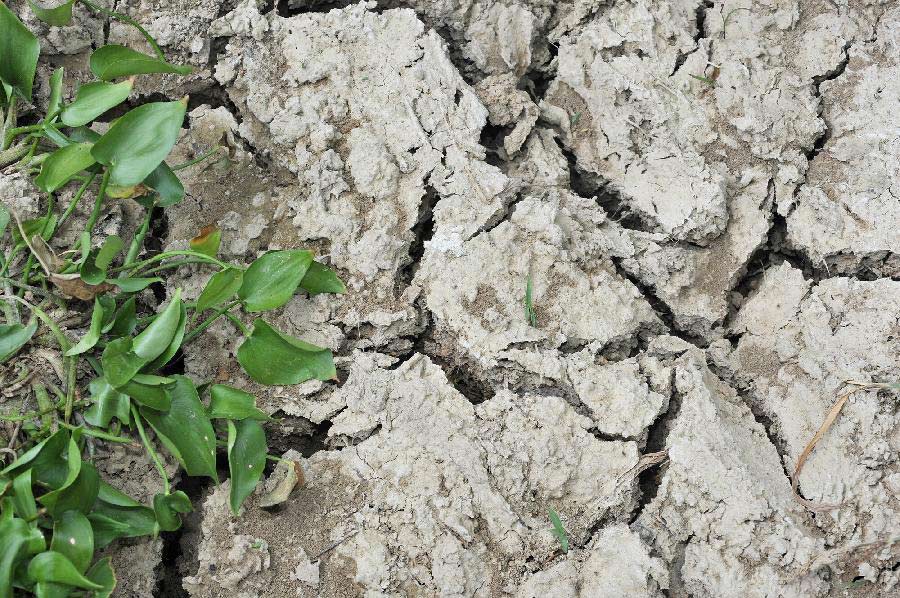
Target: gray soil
(706, 198)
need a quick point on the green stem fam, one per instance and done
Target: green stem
(130, 21)
(8, 121)
(156, 461)
(137, 266)
(51, 204)
(45, 405)
(197, 160)
(8, 156)
(176, 264)
(74, 203)
(138, 241)
(100, 434)
(11, 133)
(98, 203)
(209, 321)
(234, 320)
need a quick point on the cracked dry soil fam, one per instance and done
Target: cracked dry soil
(705, 195)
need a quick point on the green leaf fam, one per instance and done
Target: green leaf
(91, 337)
(108, 302)
(227, 402)
(133, 285)
(41, 455)
(111, 61)
(139, 141)
(60, 475)
(116, 515)
(174, 345)
(58, 16)
(54, 103)
(246, 459)
(271, 280)
(108, 403)
(19, 49)
(15, 336)
(208, 241)
(120, 363)
(167, 508)
(220, 288)
(185, 430)
(270, 357)
(53, 567)
(64, 163)
(23, 496)
(167, 185)
(147, 391)
(125, 321)
(74, 539)
(18, 541)
(321, 279)
(79, 496)
(93, 99)
(156, 337)
(102, 573)
(93, 270)
(558, 530)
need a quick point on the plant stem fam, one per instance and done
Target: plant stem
(130, 21)
(11, 133)
(138, 241)
(156, 461)
(137, 266)
(197, 160)
(98, 202)
(208, 322)
(8, 121)
(176, 264)
(74, 203)
(100, 434)
(8, 156)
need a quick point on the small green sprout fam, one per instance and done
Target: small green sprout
(530, 316)
(573, 120)
(706, 80)
(559, 531)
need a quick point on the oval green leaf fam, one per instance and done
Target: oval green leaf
(108, 403)
(246, 459)
(102, 573)
(227, 402)
(112, 61)
(208, 241)
(74, 539)
(54, 103)
(58, 16)
(270, 357)
(185, 429)
(155, 338)
(53, 567)
(63, 164)
(19, 49)
(174, 345)
(91, 337)
(220, 288)
(167, 508)
(321, 279)
(125, 321)
(139, 141)
(93, 99)
(120, 363)
(271, 280)
(15, 336)
(167, 185)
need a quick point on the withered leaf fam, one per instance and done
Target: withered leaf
(287, 475)
(72, 286)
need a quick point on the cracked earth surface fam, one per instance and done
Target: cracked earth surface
(705, 196)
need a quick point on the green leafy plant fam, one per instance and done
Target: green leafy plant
(55, 508)
(558, 530)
